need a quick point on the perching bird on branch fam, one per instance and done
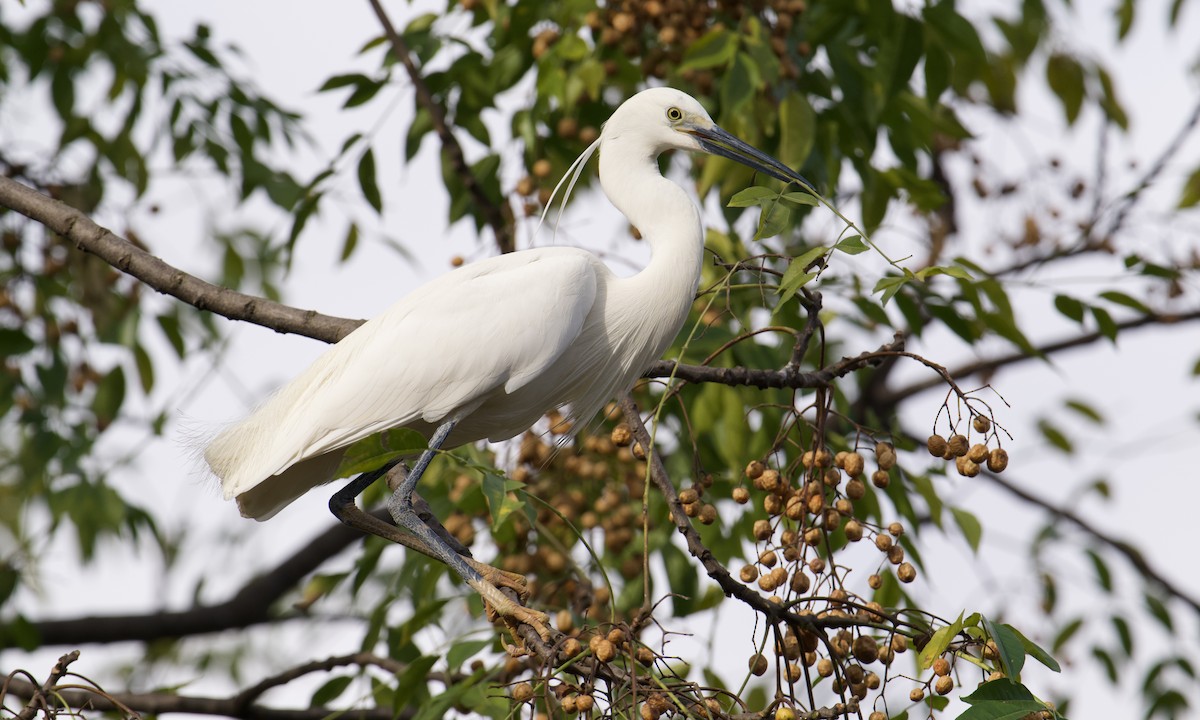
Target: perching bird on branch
(483, 352)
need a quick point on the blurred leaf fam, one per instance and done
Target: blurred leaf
(331, 691)
(1069, 307)
(971, 529)
(375, 451)
(1191, 191)
(716, 47)
(1066, 78)
(367, 180)
(1158, 609)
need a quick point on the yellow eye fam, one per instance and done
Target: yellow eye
(674, 114)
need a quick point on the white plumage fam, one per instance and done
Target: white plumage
(496, 344)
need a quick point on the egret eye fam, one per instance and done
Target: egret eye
(674, 114)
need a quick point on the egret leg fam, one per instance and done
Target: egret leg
(400, 505)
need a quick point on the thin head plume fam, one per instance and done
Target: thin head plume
(573, 173)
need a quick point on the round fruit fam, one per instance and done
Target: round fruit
(522, 692)
(997, 460)
(981, 424)
(936, 445)
(758, 664)
(906, 572)
(978, 453)
(957, 444)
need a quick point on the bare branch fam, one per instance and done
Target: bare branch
(1124, 548)
(250, 606)
(127, 257)
(493, 213)
(893, 397)
(42, 696)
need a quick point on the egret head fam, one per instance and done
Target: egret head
(664, 118)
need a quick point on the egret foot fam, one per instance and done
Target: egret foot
(499, 605)
(501, 578)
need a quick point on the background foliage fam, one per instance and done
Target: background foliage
(883, 108)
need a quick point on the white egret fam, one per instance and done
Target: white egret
(486, 350)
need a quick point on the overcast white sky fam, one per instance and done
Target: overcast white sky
(1142, 385)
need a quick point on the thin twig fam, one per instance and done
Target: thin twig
(493, 213)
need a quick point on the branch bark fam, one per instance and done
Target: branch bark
(1124, 548)
(889, 398)
(250, 606)
(493, 213)
(115, 250)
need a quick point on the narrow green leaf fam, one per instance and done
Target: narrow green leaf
(145, 367)
(368, 182)
(373, 452)
(852, 245)
(803, 198)
(971, 529)
(1159, 610)
(1066, 78)
(463, 650)
(1120, 298)
(351, 241)
(1103, 576)
(1107, 326)
(1056, 437)
(1125, 13)
(798, 273)
(717, 47)
(338, 81)
(1191, 191)
(1035, 651)
(1085, 410)
(754, 195)
(1124, 634)
(1069, 307)
(1064, 636)
(1011, 651)
(939, 642)
(331, 691)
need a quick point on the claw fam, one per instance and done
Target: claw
(501, 606)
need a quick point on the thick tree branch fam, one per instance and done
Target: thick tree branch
(888, 398)
(250, 606)
(1124, 548)
(127, 257)
(787, 377)
(493, 213)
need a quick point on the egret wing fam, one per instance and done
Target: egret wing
(490, 327)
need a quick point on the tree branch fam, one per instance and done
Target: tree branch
(493, 213)
(888, 398)
(1124, 548)
(250, 606)
(89, 237)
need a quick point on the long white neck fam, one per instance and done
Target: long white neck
(663, 213)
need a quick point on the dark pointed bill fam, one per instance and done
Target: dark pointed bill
(718, 142)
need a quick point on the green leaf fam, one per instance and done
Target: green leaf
(939, 642)
(1056, 437)
(889, 286)
(497, 490)
(1011, 651)
(738, 84)
(145, 367)
(14, 341)
(331, 691)
(1120, 298)
(1000, 699)
(717, 47)
(110, 393)
(368, 182)
(1124, 18)
(852, 245)
(754, 195)
(1064, 636)
(798, 123)
(971, 529)
(1124, 634)
(463, 650)
(797, 273)
(338, 81)
(1107, 326)
(802, 198)
(1110, 103)
(1103, 576)
(1159, 610)
(1066, 78)
(1086, 411)
(1069, 307)
(1035, 651)
(375, 451)
(350, 242)
(413, 682)
(1191, 191)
